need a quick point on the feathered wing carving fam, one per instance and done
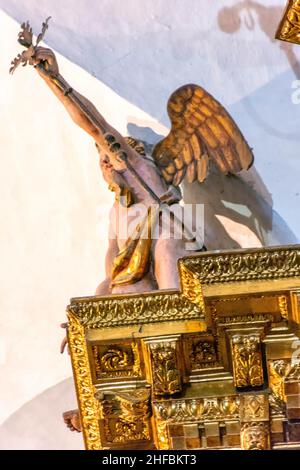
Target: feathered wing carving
(201, 130)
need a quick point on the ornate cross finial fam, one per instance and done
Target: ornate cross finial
(25, 37)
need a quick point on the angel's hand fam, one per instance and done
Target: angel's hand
(118, 161)
(47, 58)
(116, 157)
(65, 340)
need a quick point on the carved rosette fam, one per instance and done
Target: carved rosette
(88, 405)
(117, 361)
(165, 370)
(247, 360)
(202, 353)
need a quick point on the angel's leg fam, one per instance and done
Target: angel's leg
(147, 284)
(72, 420)
(166, 253)
(171, 242)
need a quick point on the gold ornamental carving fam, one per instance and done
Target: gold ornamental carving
(255, 436)
(294, 373)
(125, 416)
(142, 309)
(191, 286)
(166, 375)
(190, 410)
(247, 361)
(200, 351)
(85, 390)
(243, 266)
(216, 308)
(203, 354)
(277, 406)
(283, 306)
(136, 370)
(289, 28)
(254, 408)
(162, 438)
(128, 431)
(295, 297)
(117, 361)
(250, 318)
(278, 370)
(168, 357)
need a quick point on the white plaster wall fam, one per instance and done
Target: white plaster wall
(54, 210)
(130, 55)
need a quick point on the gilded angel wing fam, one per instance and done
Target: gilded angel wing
(201, 130)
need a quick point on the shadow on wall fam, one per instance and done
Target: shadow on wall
(230, 20)
(38, 425)
(238, 209)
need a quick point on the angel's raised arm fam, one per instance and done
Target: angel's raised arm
(86, 116)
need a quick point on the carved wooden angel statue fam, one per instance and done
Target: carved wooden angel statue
(144, 257)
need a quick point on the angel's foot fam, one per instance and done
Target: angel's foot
(72, 420)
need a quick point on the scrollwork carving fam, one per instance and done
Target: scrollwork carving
(120, 311)
(115, 359)
(180, 411)
(85, 390)
(272, 263)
